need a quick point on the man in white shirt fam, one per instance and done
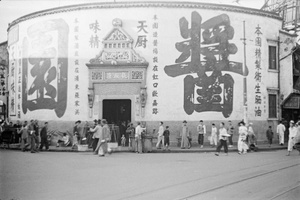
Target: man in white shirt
(201, 129)
(160, 137)
(292, 134)
(97, 132)
(138, 138)
(280, 131)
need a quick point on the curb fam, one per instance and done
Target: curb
(176, 150)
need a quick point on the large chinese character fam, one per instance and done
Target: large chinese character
(95, 26)
(204, 92)
(45, 67)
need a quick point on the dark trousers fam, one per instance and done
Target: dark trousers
(200, 139)
(222, 143)
(230, 139)
(44, 141)
(32, 143)
(270, 140)
(89, 136)
(95, 143)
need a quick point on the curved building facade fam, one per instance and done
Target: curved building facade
(148, 61)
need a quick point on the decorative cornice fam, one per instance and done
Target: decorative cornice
(110, 5)
(109, 66)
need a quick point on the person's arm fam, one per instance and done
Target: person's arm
(204, 129)
(94, 129)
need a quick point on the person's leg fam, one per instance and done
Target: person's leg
(230, 140)
(159, 138)
(42, 144)
(219, 148)
(281, 136)
(215, 140)
(225, 146)
(201, 140)
(140, 146)
(95, 143)
(37, 142)
(32, 148)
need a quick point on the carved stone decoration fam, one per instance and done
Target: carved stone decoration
(118, 48)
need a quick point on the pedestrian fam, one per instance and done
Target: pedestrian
(251, 136)
(160, 135)
(242, 146)
(18, 126)
(76, 134)
(31, 136)
(184, 135)
(138, 138)
(201, 129)
(213, 137)
(167, 138)
(130, 131)
(269, 135)
(280, 132)
(123, 140)
(292, 134)
(65, 140)
(97, 132)
(44, 137)
(103, 139)
(223, 135)
(37, 135)
(230, 131)
(24, 136)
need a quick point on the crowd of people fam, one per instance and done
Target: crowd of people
(33, 138)
(218, 138)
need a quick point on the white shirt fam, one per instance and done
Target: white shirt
(160, 131)
(214, 131)
(223, 134)
(138, 131)
(280, 129)
(243, 132)
(97, 131)
(293, 132)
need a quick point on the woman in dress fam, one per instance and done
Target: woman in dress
(184, 135)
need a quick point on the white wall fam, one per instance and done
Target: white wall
(170, 89)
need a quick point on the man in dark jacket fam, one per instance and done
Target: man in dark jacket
(44, 136)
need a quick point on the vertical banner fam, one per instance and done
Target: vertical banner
(13, 80)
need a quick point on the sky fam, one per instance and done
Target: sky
(11, 10)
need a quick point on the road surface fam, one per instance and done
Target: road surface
(182, 176)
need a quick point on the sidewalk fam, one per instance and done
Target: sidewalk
(173, 149)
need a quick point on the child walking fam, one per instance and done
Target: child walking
(269, 135)
(123, 140)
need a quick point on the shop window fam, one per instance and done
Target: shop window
(272, 58)
(272, 106)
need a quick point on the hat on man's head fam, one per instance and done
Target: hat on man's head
(78, 122)
(292, 121)
(184, 121)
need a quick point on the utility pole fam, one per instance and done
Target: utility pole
(245, 78)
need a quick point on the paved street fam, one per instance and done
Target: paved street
(81, 175)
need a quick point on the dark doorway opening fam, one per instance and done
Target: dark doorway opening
(117, 110)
